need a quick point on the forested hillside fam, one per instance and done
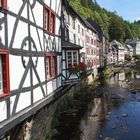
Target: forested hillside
(114, 26)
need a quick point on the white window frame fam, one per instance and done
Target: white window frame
(72, 57)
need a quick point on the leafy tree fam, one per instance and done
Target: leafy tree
(113, 25)
(116, 29)
(137, 57)
(127, 57)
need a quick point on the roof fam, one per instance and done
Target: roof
(117, 44)
(81, 18)
(97, 28)
(131, 41)
(129, 46)
(87, 23)
(127, 41)
(69, 45)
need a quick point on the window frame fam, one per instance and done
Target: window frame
(72, 58)
(3, 4)
(52, 66)
(5, 73)
(1, 75)
(50, 15)
(78, 28)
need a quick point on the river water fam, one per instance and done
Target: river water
(113, 113)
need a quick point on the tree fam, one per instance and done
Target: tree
(113, 25)
(127, 57)
(116, 29)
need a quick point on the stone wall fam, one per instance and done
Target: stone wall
(39, 126)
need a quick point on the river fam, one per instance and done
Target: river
(112, 113)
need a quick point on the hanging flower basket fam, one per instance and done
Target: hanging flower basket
(74, 69)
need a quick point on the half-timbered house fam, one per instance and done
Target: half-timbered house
(120, 51)
(72, 42)
(30, 57)
(91, 48)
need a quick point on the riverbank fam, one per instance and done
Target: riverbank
(108, 72)
(100, 112)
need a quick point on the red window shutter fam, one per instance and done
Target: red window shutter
(5, 72)
(5, 64)
(4, 4)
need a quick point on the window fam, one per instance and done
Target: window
(83, 44)
(78, 28)
(1, 76)
(4, 73)
(72, 58)
(78, 41)
(82, 31)
(49, 20)
(92, 41)
(3, 4)
(74, 38)
(73, 23)
(52, 23)
(51, 66)
(87, 39)
(46, 19)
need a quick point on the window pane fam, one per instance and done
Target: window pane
(75, 58)
(69, 59)
(53, 66)
(47, 68)
(1, 79)
(46, 19)
(52, 23)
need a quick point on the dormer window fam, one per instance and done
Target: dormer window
(3, 4)
(49, 20)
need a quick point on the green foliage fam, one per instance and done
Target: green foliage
(127, 57)
(116, 29)
(113, 25)
(109, 71)
(137, 57)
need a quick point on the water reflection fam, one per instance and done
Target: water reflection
(107, 111)
(105, 117)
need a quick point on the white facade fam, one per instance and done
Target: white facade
(91, 50)
(28, 44)
(138, 47)
(71, 44)
(121, 55)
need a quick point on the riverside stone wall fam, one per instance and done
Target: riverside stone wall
(39, 126)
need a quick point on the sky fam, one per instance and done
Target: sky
(128, 9)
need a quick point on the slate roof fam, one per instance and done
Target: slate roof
(75, 13)
(97, 28)
(131, 41)
(69, 45)
(117, 44)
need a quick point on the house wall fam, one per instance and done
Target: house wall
(138, 48)
(121, 55)
(23, 35)
(91, 49)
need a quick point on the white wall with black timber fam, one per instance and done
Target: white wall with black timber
(23, 35)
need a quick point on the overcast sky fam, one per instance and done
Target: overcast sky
(128, 9)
